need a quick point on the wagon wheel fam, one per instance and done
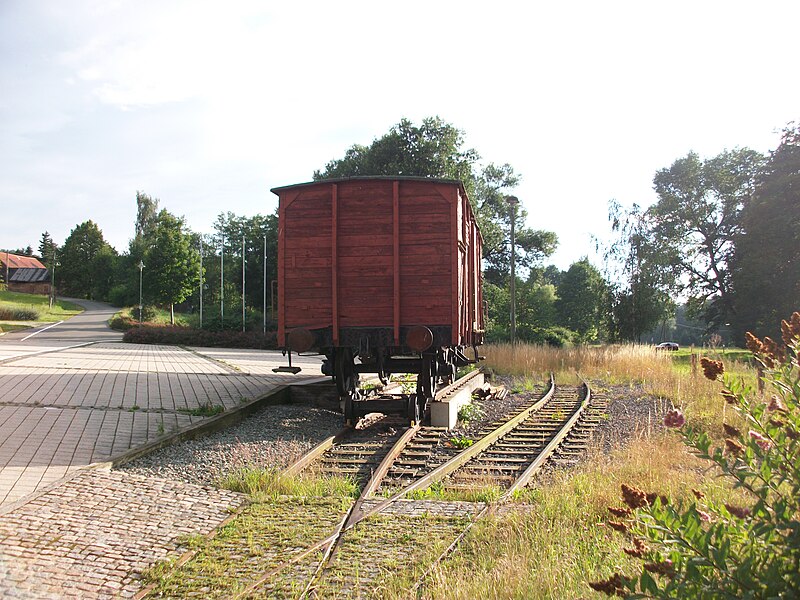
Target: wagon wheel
(346, 382)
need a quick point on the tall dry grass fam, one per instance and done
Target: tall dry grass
(554, 548)
(621, 364)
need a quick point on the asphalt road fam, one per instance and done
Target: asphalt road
(89, 326)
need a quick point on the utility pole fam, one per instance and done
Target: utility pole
(243, 283)
(512, 209)
(265, 285)
(222, 282)
(201, 283)
(141, 270)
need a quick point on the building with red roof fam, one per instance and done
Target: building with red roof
(24, 274)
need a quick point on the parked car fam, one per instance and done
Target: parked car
(670, 346)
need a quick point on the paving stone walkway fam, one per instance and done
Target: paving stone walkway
(69, 528)
(94, 535)
(61, 411)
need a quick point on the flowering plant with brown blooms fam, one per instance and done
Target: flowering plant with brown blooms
(708, 549)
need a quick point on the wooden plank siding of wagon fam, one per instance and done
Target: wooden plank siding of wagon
(378, 252)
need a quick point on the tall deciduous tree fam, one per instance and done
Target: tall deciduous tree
(78, 274)
(146, 215)
(638, 285)
(435, 149)
(172, 265)
(767, 267)
(696, 220)
(232, 228)
(581, 298)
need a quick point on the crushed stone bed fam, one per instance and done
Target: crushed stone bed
(270, 438)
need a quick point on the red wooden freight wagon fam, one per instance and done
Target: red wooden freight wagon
(382, 275)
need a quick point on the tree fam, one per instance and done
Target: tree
(231, 228)
(147, 215)
(494, 219)
(76, 275)
(695, 222)
(766, 276)
(581, 299)
(47, 249)
(638, 286)
(433, 149)
(172, 265)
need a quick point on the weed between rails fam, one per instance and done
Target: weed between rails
(265, 484)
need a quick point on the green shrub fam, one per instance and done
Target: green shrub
(469, 412)
(18, 314)
(186, 336)
(710, 549)
(122, 295)
(560, 337)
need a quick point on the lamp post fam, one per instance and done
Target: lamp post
(513, 201)
(222, 281)
(264, 316)
(243, 283)
(201, 283)
(141, 270)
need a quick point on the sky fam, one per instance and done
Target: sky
(208, 105)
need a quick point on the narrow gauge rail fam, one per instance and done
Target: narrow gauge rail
(556, 425)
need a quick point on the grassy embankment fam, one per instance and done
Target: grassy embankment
(20, 311)
(548, 551)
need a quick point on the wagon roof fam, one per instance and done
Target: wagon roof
(276, 190)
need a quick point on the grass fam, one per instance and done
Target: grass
(558, 541)
(154, 316)
(204, 410)
(658, 373)
(264, 484)
(555, 545)
(39, 305)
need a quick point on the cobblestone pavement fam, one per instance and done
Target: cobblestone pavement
(64, 410)
(66, 531)
(93, 535)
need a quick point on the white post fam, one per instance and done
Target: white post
(141, 270)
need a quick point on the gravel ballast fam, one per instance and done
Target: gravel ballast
(270, 438)
(279, 434)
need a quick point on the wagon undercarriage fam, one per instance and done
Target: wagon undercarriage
(432, 369)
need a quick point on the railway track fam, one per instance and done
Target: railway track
(557, 425)
(382, 532)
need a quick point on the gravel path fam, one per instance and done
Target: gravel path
(271, 438)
